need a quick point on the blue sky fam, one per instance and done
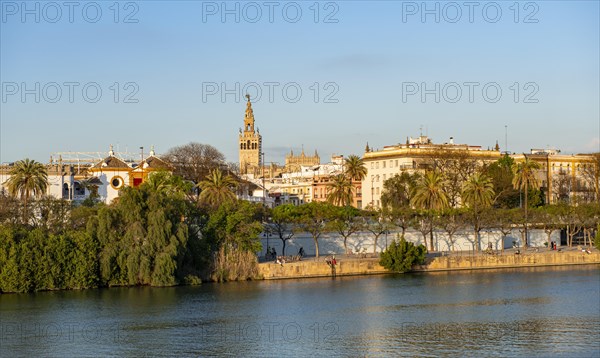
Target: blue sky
(371, 62)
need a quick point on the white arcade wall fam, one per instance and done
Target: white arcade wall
(332, 243)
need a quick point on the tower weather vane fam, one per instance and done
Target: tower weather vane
(248, 97)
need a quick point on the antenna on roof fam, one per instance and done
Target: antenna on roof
(506, 138)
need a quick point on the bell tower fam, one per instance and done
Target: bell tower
(250, 143)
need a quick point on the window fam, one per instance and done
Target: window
(372, 165)
(383, 164)
(377, 190)
(376, 165)
(116, 182)
(396, 163)
(383, 177)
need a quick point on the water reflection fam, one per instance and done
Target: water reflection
(539, 312)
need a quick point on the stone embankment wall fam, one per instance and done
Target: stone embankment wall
(320, 268)
(525, 260)
(370, 266)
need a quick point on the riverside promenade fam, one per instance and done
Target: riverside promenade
(350, 265)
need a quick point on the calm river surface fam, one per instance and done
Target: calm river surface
(522, 312)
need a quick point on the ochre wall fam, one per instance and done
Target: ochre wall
(369, 266)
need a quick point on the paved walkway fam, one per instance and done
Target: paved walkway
(371, 255)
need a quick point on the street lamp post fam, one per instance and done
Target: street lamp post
(372, 192)
(142, 163)
(268, 234)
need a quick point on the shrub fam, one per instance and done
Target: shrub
(402, 255)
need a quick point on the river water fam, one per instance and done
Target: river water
(521, 312)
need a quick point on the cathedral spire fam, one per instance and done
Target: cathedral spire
(367, 149)
(249, 117)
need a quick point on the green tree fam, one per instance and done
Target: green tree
(167, 183)
(401, 256)
(52, 214)
(396, 198)
(524, 178)
(478, 194)
(314, 218)
(451, 221)
(231, 234)
(340, 191)
(217, 189)
(505, 220)
(398, 190)
(27, 177)
(377, 224)
(346, 221)
(355, 168)
(501, 173)
(145, 238)
(430, 196)
(284, 223)
(547, 218)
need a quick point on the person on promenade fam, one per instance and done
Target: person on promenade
(301, 252)
(333, 263)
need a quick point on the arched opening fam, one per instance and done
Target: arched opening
(65, 193)
(78, 188)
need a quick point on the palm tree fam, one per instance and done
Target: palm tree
(27, 177)
(430, 194)
(340, 191)
(166, 183)
(217, 189)
(355, 168)
(524, 178)
(478, 191)
(478, 194)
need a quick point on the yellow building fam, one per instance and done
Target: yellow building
(565, 177)
(417, 154)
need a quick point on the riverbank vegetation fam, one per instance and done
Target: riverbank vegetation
(188, 226)
(401, 256)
